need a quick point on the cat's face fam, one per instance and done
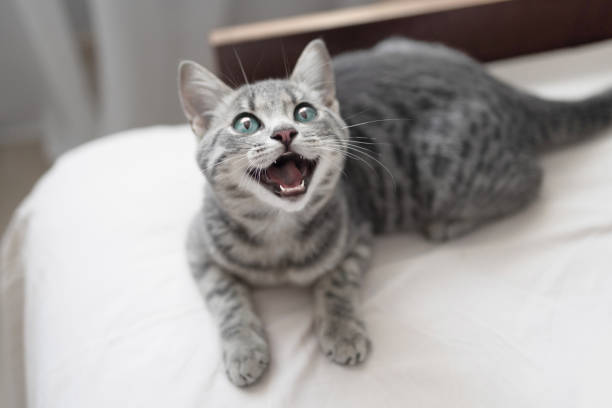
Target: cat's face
(281, 142)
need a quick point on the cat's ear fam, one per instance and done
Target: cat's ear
(200, 92)
(314, 69)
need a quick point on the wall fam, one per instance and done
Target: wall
(21, 87)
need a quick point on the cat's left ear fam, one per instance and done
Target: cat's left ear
(200, 92)
(314, 69)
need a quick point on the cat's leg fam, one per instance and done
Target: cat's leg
(340, 330)
(501, 188)
(243, 341)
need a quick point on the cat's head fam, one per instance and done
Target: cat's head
(281, 142)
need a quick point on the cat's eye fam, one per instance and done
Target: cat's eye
(304, 113)
(246, 123)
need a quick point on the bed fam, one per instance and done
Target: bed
(518, 314)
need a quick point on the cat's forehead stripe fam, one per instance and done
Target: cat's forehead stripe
(291, 95)
(251, 100)
(267, 96)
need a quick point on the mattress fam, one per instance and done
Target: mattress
(517, 314)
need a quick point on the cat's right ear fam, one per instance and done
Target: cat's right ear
(314, 69)
(200, 92)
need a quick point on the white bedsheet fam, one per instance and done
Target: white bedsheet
(518, 314)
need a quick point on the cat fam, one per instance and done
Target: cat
(297, 186)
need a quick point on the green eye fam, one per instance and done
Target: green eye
(304, 113)
(246, 123)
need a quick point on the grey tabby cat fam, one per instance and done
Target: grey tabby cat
(297, 188)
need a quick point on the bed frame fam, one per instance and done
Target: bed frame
(486, 29)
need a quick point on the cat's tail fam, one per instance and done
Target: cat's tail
(559, 123)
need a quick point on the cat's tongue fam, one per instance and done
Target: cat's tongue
(286, 174)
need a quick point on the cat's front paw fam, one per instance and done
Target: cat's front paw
(343, 341)
(246, 358)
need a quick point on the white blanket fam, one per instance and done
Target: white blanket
(518, 314)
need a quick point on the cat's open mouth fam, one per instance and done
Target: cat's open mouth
(288, 176)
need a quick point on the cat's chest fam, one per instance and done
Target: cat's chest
(280, 243)
(280, 253)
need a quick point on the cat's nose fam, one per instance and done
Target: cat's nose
(285, 136)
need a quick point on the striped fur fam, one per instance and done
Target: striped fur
(408, 135)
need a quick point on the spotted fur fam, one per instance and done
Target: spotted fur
(408, 135)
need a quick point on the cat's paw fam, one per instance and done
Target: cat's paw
(344, 342)
(246, 359)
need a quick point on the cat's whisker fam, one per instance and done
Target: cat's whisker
(241, 182)
(359, 143)
(339, 168)
(284, 54)
(230, 80)
(369, 155)
(257, 65)
(246, 81)
(238, 159)
(364, 147)
(243, 179)
(356, 114)
(374, 121)
(348, 154)
(361, 137)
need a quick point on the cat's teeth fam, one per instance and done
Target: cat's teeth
(301, 187)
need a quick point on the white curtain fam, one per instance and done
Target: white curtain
(138, 45)
(141, 42)
(68, 114)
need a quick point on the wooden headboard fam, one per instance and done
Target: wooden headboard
(486, 29)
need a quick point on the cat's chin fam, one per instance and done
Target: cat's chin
(288, 177)
(290, 204)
